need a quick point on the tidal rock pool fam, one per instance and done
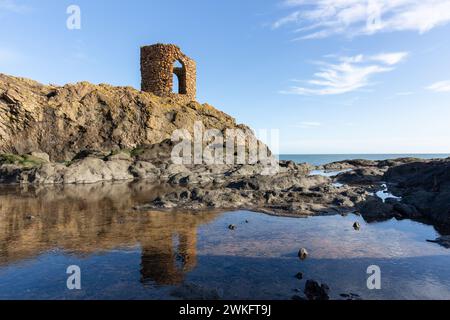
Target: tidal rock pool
(125, 253)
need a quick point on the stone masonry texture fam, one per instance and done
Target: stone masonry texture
(157, 70)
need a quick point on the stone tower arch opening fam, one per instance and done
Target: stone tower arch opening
(179, 78)
(160, 64)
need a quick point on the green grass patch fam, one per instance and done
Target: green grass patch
(137, 151)
(26, 161)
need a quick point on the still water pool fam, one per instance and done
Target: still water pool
(128, 254)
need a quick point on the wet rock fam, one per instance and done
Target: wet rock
(375, 209)
(315, 291)
(443, 241)
(91, 170)
(232, 227)
(350, 296)
(356, 226)
(299, 275)
(424, 187)
(303, 254)
(50, 173)
(298, 298)
(10, 173)
(406, 210)
(144, 170)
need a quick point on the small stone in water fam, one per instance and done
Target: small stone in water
(303, 254)
(356, 226)
(232, 227)
(299, 276)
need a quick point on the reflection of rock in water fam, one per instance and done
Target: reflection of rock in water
(85, 220)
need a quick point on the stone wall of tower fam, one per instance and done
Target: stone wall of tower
(157, 70)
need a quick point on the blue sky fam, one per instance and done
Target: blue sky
(359, 76)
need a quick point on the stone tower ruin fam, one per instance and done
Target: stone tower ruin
(158, 67)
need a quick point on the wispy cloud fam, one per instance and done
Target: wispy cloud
(390, 58)
(348, 74)
(314, 19)
(441, 86)
(13, 6)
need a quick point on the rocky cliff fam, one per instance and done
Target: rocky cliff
(62, 121)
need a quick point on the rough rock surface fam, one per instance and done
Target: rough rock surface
(443, 241)
(424, 187)
(196, 187)
(62, 121)
(370, 175)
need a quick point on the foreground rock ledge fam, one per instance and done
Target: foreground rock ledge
(196, 187)
(422, 187)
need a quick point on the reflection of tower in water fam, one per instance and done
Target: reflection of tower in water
(165, 260)
(88, 219)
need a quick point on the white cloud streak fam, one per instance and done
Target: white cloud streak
(441, 86)
(348, 74)
(315, 19)
(13, 6)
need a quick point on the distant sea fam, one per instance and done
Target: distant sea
(320, 159)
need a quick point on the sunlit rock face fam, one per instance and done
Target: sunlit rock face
(64, 120)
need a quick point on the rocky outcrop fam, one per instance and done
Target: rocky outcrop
(421, 188)
(443, 241)
(85, 133)
(424, 188)
(362, 163)
(370, 175)
(62, 121)
(291, 190)
(417, 189)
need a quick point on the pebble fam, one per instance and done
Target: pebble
(303, 254)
